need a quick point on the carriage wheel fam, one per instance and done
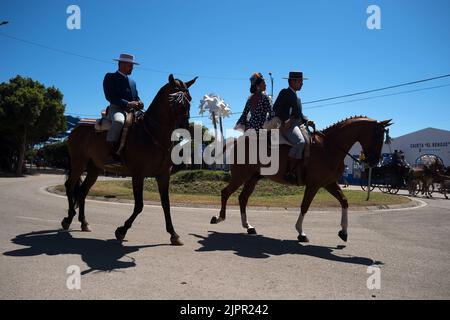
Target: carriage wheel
(414, 187)
(393, 190)
(364, 187)
(430, 190)
(384, 188)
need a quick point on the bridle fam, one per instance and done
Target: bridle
(180, 98)
(175, 100)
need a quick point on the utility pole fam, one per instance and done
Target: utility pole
(271, 85)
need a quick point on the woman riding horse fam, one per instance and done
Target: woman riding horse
(325, 167)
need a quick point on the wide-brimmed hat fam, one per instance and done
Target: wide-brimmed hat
(296, 76)
(124, 57)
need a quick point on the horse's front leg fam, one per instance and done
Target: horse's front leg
(226, 192)
(248, 189)
(310, 193)
(335, 190)
(138, 186)
(163, 186)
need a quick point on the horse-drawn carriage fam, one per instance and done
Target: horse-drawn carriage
(428, 176)
(394, 173)
(389, 176)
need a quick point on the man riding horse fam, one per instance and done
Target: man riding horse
(288, 108)
(123, 97)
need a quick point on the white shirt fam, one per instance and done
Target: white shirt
(293, 90)
(122, 74)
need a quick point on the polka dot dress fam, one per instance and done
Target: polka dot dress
(254, 117)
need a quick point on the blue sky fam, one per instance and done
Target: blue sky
(225, 41)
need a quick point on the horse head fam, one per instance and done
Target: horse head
(372, 139)
(180, 101)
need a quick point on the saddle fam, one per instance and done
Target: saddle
(104, 124)
(275, 123)
(310, 139)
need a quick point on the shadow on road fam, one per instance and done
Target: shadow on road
(99, 255)
(263, 247)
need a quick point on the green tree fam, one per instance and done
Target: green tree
(30, 113)
(56, 154)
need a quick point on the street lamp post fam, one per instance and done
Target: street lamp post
(271, 85)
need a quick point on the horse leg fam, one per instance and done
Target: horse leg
(226, 192)
(138, 187)
(335, 190)
(163, 186)
(72, 186)
(248, 189)
(89, 181)
(308, 197)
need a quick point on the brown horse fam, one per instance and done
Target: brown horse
(147, 154)
(325, 167)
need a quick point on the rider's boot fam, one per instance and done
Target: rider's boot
(291, 176)
(113, 159)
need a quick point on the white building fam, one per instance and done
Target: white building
(426, 141)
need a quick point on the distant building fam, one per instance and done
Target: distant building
(71, 123)
(415, 144)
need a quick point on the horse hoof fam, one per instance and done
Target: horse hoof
(214, 220)
(85, 227)
(176, 241)
(65, 224)
(251, 231)
(343, 235)
(302, 238)
(120, 233)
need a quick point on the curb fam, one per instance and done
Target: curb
(413, 204)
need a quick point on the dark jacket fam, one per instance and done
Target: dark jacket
(288, 105)
(119, 90)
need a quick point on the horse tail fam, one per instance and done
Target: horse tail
(76, 190)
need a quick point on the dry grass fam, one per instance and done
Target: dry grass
(200, 187)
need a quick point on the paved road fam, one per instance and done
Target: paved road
(410, 247)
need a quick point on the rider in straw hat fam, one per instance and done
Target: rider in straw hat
(122, 95)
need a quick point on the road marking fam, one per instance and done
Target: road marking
(37, 219)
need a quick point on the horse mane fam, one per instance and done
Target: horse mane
(152, 108)
(343, 123)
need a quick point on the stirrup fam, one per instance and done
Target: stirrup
(114, 161)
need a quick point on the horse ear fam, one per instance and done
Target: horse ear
(386, 123)
(171, 80)
(190, 83)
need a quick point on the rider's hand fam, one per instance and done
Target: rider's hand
(140, 104)
(311, 123)
(133, 105)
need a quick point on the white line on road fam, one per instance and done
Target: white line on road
(37, 219)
